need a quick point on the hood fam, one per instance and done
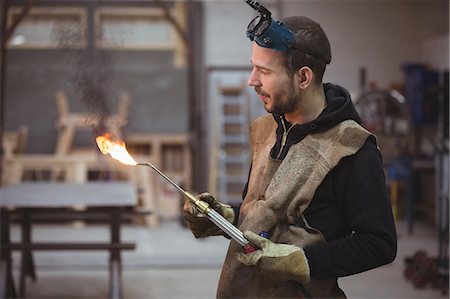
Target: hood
(339, 107)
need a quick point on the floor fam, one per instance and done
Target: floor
(170, 263)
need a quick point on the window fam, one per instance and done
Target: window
(49, 28)
(133, 29)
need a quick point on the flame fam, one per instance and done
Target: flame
(116, 149)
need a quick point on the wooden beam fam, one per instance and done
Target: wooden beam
(174, 23)
(5, 34)
(4, 13)
(19, 19)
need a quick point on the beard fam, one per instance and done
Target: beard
(283, 100)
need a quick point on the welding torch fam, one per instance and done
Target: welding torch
(228, 228)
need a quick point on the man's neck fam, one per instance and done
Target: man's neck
(309, 107)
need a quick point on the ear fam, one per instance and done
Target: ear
(305, 77)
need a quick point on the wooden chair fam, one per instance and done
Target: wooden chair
(68, 122)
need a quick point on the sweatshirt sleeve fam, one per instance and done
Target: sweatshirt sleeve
(361, 196)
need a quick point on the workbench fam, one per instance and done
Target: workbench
(28, 203)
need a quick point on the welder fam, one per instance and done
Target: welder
(316, 185)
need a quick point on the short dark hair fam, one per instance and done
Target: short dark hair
(311, 49)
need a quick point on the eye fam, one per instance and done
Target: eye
(263, 71)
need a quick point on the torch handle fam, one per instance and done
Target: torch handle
(228, 228)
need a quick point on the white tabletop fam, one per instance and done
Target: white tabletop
(60, 195)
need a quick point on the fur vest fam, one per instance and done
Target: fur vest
(278, 193)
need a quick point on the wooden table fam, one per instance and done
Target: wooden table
(76, 168)
(29, 202)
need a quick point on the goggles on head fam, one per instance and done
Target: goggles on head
(268, 33)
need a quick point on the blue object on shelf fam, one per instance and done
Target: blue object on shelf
(399, 169)
(421, 88)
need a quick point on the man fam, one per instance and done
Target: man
(316, 184)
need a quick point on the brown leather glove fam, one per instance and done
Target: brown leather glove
(276, 262)
(198, 222)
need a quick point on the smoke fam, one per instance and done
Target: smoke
(92, 77)
(91, 74)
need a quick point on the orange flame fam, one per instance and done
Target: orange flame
(116, 149)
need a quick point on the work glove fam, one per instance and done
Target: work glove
(276, 262)
(199, 223)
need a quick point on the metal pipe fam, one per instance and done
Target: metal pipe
(228, 228)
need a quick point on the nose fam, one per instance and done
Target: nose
(254, 80)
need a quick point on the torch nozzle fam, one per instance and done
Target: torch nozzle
(201, 205)
(164, 176)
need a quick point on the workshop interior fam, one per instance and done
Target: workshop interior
(113, 113)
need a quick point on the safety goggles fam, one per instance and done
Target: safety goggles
(268, 33)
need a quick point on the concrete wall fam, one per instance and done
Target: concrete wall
(378, 35)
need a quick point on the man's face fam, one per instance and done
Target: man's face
(275, 88)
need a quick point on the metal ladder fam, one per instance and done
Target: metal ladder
(233, 152)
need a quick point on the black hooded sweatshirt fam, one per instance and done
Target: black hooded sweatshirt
(351, 206)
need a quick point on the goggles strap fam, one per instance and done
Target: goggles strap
(309, 53)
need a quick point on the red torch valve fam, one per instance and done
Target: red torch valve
(249, 248)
